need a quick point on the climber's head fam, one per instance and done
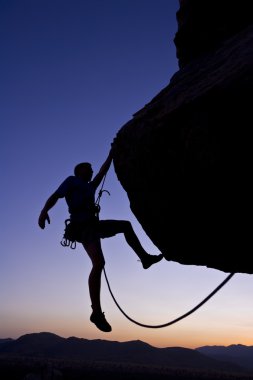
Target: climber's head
(84, 171)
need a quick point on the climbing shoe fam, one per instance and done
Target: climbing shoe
(98, 318)
(149, 260)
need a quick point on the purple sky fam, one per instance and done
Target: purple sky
(72, 74)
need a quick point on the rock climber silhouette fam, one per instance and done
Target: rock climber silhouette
(79, 192)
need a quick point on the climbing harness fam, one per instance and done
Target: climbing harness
(71, 229)
(174, 320)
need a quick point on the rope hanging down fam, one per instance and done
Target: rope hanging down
(174, 320)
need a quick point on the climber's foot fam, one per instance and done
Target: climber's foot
(167, 256)
(149, 260)
(98, 318)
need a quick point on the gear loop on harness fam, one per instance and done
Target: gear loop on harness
(68, 239)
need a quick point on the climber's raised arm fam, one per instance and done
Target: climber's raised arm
(103, 170)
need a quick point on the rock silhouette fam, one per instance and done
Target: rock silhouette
(185, 159)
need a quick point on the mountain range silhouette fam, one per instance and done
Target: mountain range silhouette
(234, 358)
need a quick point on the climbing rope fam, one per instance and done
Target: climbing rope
(100, 193)
(174, 320)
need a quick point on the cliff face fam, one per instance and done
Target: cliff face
(185, 159)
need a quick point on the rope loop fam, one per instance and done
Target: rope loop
(174, 320)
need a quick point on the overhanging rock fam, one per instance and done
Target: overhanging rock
(185, 159)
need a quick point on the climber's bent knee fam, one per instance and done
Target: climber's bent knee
(109, 228)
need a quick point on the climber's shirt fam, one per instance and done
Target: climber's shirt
(80, 198)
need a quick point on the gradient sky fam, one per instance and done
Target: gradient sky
(73, 72)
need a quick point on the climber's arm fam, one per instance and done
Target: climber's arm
(44, 212)
(103, 170)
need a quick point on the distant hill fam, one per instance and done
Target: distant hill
(5, 340)
(48, 345)
(236, 353)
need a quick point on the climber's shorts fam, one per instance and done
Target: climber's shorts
(99, 229)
